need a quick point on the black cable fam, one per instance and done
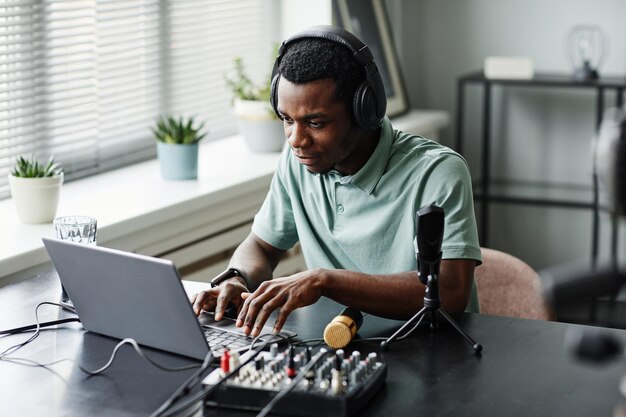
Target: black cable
(177, 408)
(37, 327)
(4, 356)
(34, 326)
(309, 341)
(188, 385)
(273, 337)
(15, 348)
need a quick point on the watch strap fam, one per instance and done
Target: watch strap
(229, 273)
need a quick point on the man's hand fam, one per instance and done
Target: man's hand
(285, 294)
(218, 298)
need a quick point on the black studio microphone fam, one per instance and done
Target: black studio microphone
(341, 329)
(429, 225)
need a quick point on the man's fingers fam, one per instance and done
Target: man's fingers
(283, 313)
(221, 305)
(197, 300)
(250, 310)
(203, 300)
(228, 293)
(264, 313)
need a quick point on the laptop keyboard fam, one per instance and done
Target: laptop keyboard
(219, 340)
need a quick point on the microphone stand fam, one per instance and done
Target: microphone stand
(432, 306)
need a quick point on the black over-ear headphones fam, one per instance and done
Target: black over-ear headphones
(369, 102)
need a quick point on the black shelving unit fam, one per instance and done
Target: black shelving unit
(487, 190)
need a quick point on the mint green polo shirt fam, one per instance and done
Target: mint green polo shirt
(366, 222)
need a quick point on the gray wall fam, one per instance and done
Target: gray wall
(538, 134)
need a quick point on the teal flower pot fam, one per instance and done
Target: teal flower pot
(178, 162)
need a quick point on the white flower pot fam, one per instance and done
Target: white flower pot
(262, 131)
(36, 199)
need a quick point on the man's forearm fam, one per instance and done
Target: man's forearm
(255, 261)
(398, 296)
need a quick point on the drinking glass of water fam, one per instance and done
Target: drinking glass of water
(77, 229)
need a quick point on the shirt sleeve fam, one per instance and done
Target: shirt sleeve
(448, 185)
(274, 223)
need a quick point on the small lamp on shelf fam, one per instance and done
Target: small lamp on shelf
(586, 49)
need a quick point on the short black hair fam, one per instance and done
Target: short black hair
(312, 59)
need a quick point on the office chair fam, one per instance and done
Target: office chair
(507, 286)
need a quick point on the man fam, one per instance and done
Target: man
(348, 192)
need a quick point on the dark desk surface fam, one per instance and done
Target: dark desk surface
(524, 369)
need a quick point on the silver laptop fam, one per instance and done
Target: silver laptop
(126, 295)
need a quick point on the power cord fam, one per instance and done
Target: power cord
(37, 327)
(5, 355)
(42, 324)
(141, 354)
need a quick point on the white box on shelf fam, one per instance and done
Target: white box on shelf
(508, 67)
(426, 123)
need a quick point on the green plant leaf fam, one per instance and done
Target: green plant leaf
(32, 168)
(177, 131)
(242, 86)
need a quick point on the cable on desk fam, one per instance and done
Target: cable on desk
(23, 329)
(37, 327)
(272, 338)
(143, 356)
(4, 356)
(306, 342)
(406, 333)
(178, 408)
(187, 386)
(318, 342)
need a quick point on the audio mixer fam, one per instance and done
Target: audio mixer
(326, 384)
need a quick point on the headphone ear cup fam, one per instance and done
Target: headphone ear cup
(274, 94)
(369, 103)
(364, 107)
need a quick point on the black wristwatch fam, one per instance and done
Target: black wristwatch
(229, 273)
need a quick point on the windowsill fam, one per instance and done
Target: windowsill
(135, 198)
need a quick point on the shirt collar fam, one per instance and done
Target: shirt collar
(369, 175)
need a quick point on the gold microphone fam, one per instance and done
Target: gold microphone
(340, 331)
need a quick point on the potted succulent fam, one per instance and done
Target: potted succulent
(35, 189)
(262, 131)
(177, 147)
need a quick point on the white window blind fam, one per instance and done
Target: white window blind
(85, 80)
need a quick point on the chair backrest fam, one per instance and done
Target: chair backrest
(507, 286)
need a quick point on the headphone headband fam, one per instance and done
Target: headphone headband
(370, 101)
